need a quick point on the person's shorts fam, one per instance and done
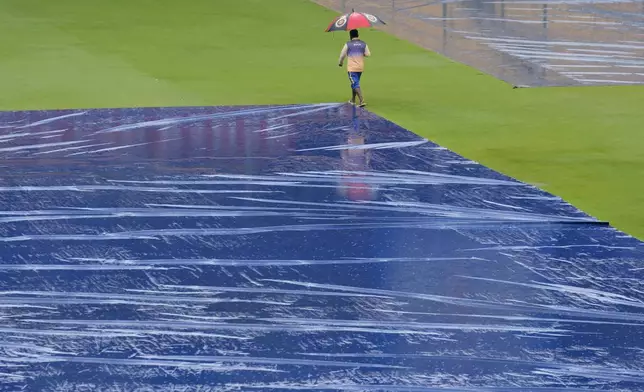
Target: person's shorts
(354, 77)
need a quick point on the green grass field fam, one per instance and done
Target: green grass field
(582, 144)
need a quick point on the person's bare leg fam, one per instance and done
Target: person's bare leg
(358, 91)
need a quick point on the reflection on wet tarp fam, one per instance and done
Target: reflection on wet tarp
(356, 157)
(525, 42)
(301, 247)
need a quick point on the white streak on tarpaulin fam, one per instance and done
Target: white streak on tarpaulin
(70, 149)
(374, 146)
(43, 145)
(95, 188)
(159, 233)
(121, 147)
(477, 304)
(165, 264)
(394, 177)
(50, 120)
(230, 114)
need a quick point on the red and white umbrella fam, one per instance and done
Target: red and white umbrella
(354, 20)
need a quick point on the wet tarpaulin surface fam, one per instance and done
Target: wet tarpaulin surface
(524, 42)
(310, 247)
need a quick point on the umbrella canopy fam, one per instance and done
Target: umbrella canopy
(353, 20)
